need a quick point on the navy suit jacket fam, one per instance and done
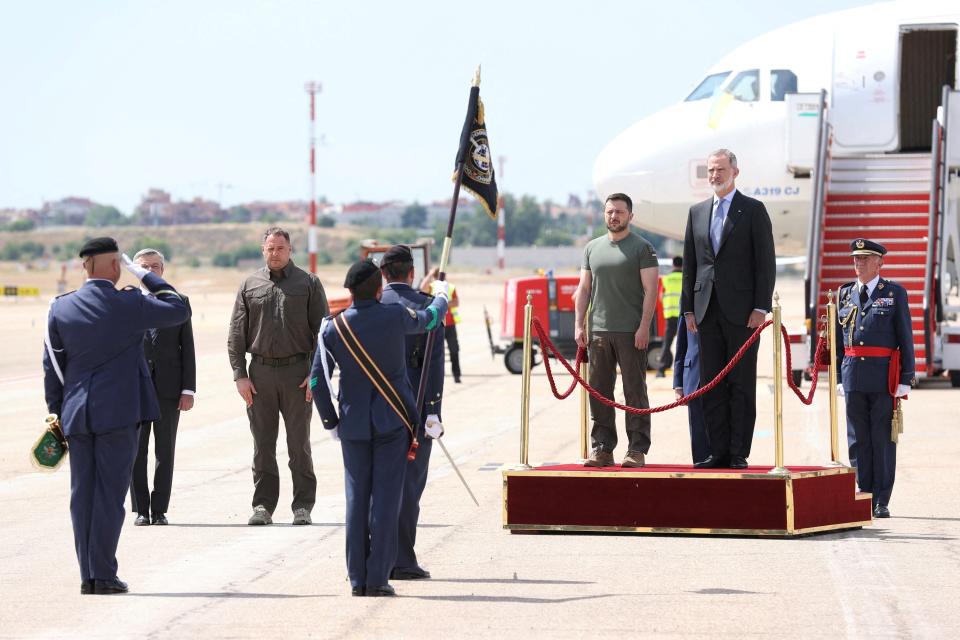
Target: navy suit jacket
(742, 271)
(172, 358)
(686, 366)
(380, 329)
(96, 333)
(415, 343)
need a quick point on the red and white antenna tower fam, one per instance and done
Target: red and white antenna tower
(501, 214)
(313, 88)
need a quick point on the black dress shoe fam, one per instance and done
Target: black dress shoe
(357, 591)
(738, 462)
(106, 587)
(143, 520)
(86, 587)
(712, 462)
(413, 573)
(881, 511)
(379, 592)
(160, 519)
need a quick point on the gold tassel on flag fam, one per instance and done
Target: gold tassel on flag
(896, 425)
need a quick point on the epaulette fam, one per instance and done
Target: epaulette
(64, 294)
(130, 287)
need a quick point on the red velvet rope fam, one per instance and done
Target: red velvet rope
(548, 346)
(821, 347)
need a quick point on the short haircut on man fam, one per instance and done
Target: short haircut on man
(367, 290)
(276, 231)
(149, 252)
(397, 270)
(726, 153)
(622, 197)
(678, 261)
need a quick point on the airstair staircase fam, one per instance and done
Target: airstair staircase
(886, 198)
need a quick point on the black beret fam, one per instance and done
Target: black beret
(396, 253)
(360, 272)
(864, 247)
(96, 246)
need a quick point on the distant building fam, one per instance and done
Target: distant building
(13, 215)
(390, 214)
(158, 208)
(67, 211)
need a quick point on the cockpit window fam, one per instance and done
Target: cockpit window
(708, 87)
(782, 82)
(746, 86)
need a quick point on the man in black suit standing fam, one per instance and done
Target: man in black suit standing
(729, 270)
(173, 368)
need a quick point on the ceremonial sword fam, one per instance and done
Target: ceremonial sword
(457, 469)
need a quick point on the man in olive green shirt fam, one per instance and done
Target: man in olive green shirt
(618, 280)
(276, 318)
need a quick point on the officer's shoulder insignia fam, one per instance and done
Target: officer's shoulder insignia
(413, 314)
(64, 294)
(129, 287)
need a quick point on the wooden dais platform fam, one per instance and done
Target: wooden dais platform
(681, 499)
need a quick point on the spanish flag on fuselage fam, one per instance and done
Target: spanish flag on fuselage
(475, 158)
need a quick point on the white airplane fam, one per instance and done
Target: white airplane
(741, 104)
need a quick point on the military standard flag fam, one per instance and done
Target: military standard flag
(474, 156)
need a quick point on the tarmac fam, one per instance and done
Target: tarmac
(209, 575)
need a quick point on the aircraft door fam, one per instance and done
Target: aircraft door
(863, 105)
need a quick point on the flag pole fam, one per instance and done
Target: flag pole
(447, 244)
(442, 274)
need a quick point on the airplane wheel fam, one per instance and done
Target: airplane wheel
(797, 377)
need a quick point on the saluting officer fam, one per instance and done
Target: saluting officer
(96, 379)
(876, 367)
(378, 419)
(397, 268)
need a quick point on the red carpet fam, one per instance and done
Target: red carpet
(681, 499)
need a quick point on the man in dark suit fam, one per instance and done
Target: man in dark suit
(397, 268)
(729, 270)
(378, 418)
(173, 367)
(96, 379)
(876, 363)
(686, 380)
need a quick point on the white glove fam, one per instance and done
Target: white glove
(131, 266)
(441, 289)
(334, 433)
(840, 391)
(902, 390)
(433, 427)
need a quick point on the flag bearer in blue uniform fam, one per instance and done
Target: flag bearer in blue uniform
(96, 379)
(876, 365)
(397, 268)
(377, 421)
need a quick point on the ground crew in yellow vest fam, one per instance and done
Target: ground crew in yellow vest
(672, 283)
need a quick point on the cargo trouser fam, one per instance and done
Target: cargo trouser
(607, 350)
(278, 393)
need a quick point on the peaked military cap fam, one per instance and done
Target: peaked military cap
(360, 272)
(864, 247)
(397, 253)
(96, 246)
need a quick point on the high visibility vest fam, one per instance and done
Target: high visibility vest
(672, 284)
(453, 313)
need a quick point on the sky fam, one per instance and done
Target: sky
(108, 98)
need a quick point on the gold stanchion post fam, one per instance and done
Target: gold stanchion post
(584, 400)
(778, 469)
(832, 377)
(525, 394)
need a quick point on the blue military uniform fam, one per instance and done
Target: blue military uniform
(415, 479)
(99, 384)
(686, 376)
(373, 438)
(869, 331)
